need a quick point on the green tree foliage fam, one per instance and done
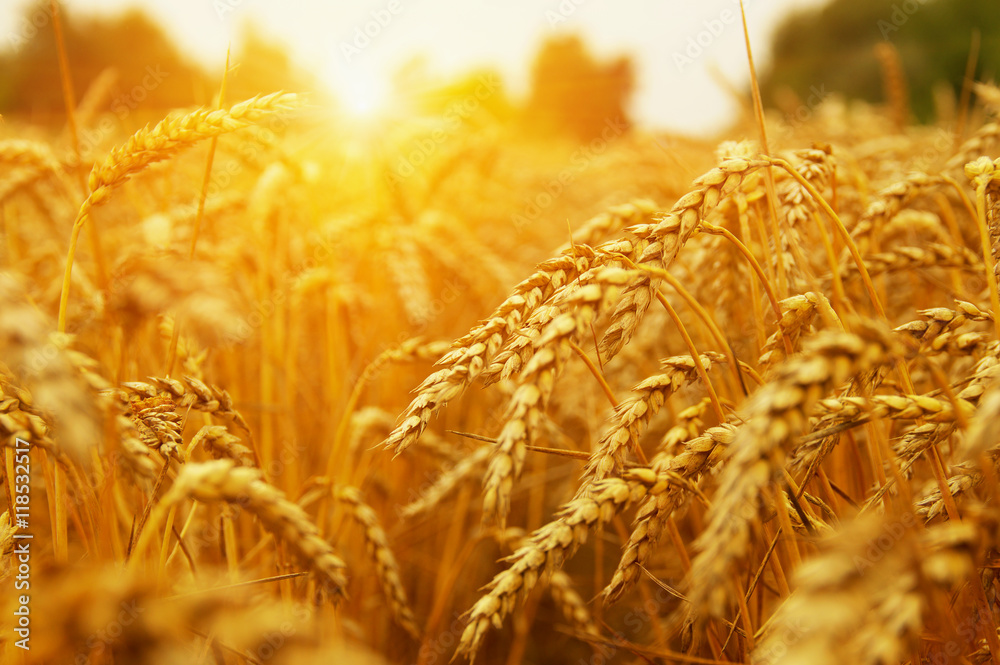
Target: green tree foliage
(834, 48)
(572, 91)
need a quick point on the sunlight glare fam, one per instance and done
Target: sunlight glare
(362, 94)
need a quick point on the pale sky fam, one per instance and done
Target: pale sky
(675, 44)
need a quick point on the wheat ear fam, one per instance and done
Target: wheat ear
(549, 545)
(665, 238)
(632, 415)
(476, 353)
(385, 562)
(151, 145)
(775, 418)
(850, 607)
(697, 457)
(191, 393)
(222, 480)
(589, 296)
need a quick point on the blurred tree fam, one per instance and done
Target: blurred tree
(477, 98)
(262, 66)
(571, 91)
(150, 71)
(833, 48)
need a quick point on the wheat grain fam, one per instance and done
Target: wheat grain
(385, 562)
(665, 238)
(632, 415)
(218, 441)
(695, 459)
(774, 420)
(549, 545)
(158, 424)
(222, 480)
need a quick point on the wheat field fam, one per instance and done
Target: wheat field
(266, 399)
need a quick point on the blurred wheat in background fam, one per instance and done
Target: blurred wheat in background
(287, 378)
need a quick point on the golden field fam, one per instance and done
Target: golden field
(285, 386)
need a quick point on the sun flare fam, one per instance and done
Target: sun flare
(404, 331)
(362, 94)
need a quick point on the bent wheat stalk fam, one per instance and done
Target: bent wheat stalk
(148, 146)
(385, 562)
(222, 480)
(775, 418)
(549, 545)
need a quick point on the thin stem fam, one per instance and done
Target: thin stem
(575, 454)
(845, 236)
(699, 367)
(709, 228)
(984, 241)
(758, 110)
(81, 219)
(596, 372)
(709, 322)
(70, 102)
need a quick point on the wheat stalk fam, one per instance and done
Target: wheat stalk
(549, 545)
(631, 416)
(222, 480)
(774, 420)
(151, 145)
(385, 562)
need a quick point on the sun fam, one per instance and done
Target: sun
(362, 93)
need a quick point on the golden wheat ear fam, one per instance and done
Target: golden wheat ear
(223, 481)
(151, 145)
